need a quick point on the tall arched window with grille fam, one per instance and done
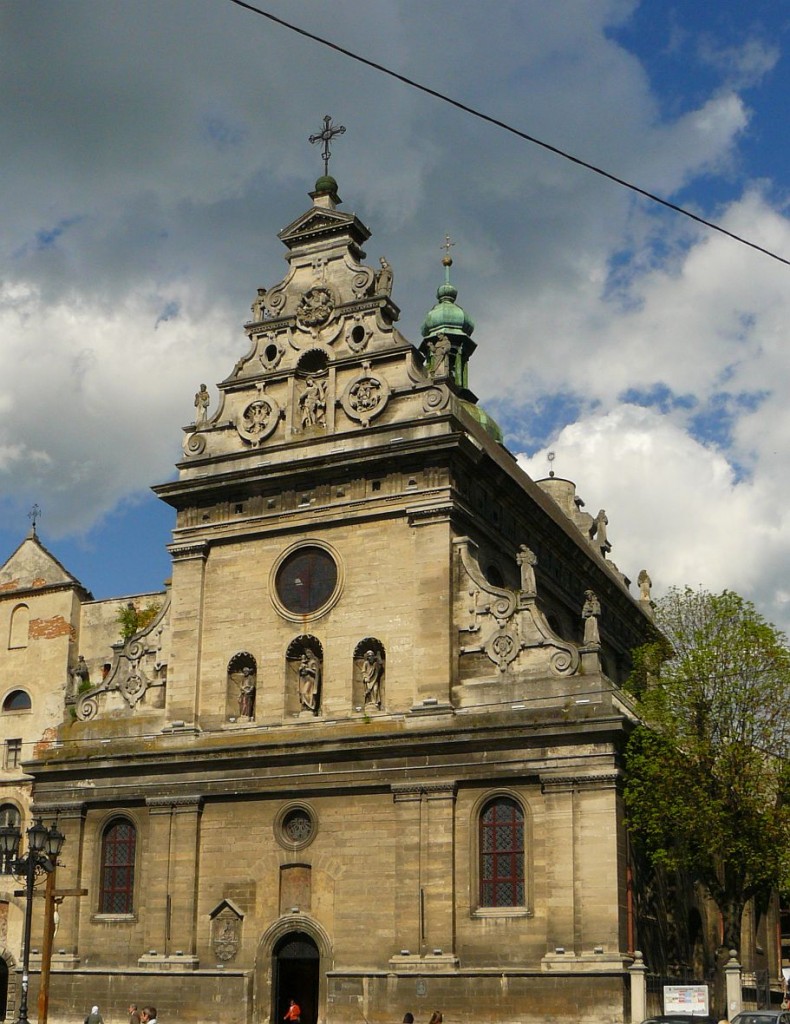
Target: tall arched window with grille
(502, 874)
(119, 843)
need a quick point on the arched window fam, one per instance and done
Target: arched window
(119, 842)
(502, 854)
(17, 700)
(20, 623)
(9, 815)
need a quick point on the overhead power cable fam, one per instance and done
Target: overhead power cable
(509, 128)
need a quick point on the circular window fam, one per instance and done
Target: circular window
(306, 581)
(295, 826)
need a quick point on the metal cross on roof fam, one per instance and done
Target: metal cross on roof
(447, 245)
(33, 515)
(326, 136)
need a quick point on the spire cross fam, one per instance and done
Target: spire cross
(447, 245)
(326, 136)
(33, 515)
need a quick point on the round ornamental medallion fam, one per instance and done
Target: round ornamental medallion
(502, 648)
(315, 308)
(258, 419)
(306, 580)
(365, 397)
(295, 826)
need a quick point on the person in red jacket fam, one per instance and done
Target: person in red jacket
(293, 1013)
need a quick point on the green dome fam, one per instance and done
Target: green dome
(488, 423)
(326, 183)
(447, 317)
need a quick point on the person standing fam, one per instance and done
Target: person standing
(293, 1013)
(94, 1017)
(134, 1014)
(148, 1015)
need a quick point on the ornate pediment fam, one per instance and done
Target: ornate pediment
(321, 221)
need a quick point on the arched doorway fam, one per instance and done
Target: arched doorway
(295, 971)
(4, 978)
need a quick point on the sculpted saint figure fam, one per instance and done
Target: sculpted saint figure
(598, 533)
(372, 673)
(383, 285)
(202, 402)
(309, 680)
(258, 305)
(247, 694)
(645, 583)
(527, 560)
(440, 356)
(313, 403)
(590, 613)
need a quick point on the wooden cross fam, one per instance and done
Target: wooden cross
(329, 132)
(52, 897)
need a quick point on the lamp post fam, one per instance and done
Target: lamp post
(43, 846)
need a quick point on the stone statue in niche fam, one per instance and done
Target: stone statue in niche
(247, 693)
(590, 613)
(312, 403)
(242, 686)
(645, 583)
(598, 534)
(383, 285)
(372, 673)
(202, 402)
(309, 680)
(527, 561)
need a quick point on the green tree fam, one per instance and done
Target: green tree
(707, 773)
(132, 619)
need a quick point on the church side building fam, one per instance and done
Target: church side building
(366, 752)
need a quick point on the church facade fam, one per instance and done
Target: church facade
(364, 749)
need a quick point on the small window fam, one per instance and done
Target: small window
(20, 624)
(119, 844)
(502, 854)
(9, 815)
(13, 753)
(17, 700)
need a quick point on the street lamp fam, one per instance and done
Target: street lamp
(43, 847)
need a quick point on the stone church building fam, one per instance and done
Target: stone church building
(363, 751)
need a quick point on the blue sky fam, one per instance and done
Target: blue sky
(157, 149)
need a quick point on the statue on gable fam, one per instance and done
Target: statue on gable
(259, 305)
(590, 612)
(527, 560)
(202, 402)
(383, 284)
(645, 583)
(598, 534)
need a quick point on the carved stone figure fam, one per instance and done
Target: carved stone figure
(527, 560)
(372, 674)
(247, 693)
(315, 307)
(383, 285)
(80, 673)
(312, 402)
(440, 350)
(590, 613)
(258, 306)
(598, 533)
(645, 583)
(202, 402)
(309, 680)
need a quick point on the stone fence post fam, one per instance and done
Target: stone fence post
(638, 972)
(733, 985)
